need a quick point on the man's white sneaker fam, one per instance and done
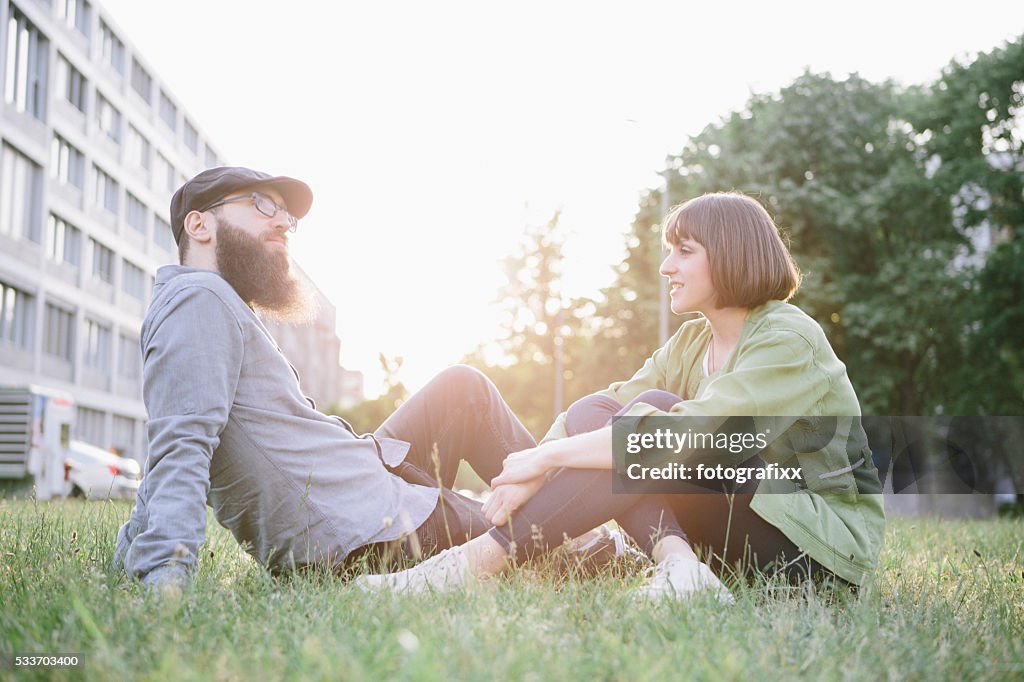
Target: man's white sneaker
(445, 571)
(678, 577)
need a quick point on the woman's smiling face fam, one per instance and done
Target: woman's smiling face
(689, 275)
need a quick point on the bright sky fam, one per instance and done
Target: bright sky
(432, 133)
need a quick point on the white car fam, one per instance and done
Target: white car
(94, 473)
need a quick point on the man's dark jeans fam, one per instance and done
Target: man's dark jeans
(458, 415)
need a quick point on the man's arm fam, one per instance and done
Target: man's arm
(192, 352)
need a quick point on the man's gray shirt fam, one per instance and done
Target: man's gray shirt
(230, 427)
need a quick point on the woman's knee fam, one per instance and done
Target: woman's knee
(589, 413)
(662, 400)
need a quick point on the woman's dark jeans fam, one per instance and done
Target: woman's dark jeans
(722, 528)
(577, 500)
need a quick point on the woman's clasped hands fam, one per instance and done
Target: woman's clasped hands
(523, 474)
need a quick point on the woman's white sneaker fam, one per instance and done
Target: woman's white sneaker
(678, 577)
(448, 570)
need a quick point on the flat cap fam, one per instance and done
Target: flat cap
(216, 183)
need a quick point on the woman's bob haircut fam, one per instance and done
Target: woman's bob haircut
(750, 264)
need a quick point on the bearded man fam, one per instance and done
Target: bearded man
(230, 428)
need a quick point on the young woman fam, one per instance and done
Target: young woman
(749, 354)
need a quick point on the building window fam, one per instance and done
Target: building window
(168, 112)
(15, 316)
(97, 346)
(211, 158)
(133, 281)
(142, 82)
(106, 194)
(163, 236)
(102, 262)
(123, 437)
(20, 186)
(136, 214)
(111, 48)
(138, 147)
(108, 118)
(63, 242)
(129, 363)
(60, 332)
(76, 13)
(25, 82)
(164, 176)
(90, 425)
(191, 137)
(71, 83)
(67, 164)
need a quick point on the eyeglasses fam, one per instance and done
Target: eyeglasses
(263, 204)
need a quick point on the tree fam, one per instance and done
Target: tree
(622, 328)
(972, 122)
(882, 192)
(843, 174)
(540, 325)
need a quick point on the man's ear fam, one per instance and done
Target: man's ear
(197, 227)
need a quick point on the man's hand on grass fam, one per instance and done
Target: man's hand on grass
(166, 581)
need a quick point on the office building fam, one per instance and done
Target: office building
(92, 146)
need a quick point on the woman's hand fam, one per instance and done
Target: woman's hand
(523, 474)
(523, 466)
(508, 498)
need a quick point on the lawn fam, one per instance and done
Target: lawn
(947, 603)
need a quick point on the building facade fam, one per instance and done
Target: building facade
(92, 146)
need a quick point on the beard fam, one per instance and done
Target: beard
(262, 276)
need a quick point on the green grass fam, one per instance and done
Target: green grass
(947, 603)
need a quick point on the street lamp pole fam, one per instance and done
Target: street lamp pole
(663, 305)
(559, 359)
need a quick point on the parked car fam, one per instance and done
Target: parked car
(95, 473)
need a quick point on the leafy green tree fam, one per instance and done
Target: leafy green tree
(972, 122)
(540, 325)
(841, 170)
(622, 329)
(882, 192)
